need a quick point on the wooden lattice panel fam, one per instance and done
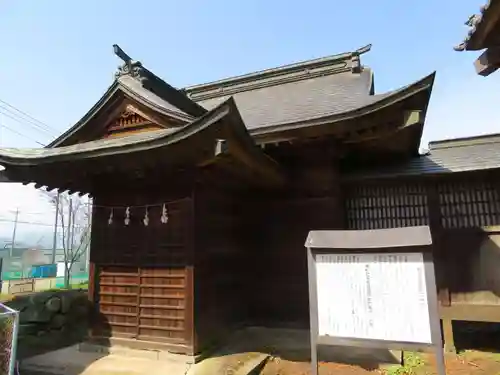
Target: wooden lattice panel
(386, 206)
(162, 304)
(469, 204)
(118, 295)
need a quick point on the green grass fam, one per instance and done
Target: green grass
(84, 285)
(5, 297)
(412, 362)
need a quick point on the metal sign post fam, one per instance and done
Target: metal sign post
(373, 289)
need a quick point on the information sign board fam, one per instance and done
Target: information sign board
(373, 289)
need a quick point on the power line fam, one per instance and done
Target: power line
(19, 133)
(24, 122)
(31, 118)
(80, 225)
(24, 118)
(35, 223)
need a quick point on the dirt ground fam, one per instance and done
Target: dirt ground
(466, 363)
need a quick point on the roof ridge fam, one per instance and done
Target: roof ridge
(155, 84)
(289, 72)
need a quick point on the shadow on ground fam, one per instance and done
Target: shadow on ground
(293, 345)
(50, 321)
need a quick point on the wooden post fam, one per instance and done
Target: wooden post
(439, 249)
(449, 340)
(442, 264)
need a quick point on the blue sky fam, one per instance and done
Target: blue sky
(56, 57)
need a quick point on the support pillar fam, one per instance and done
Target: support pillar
(449, 341)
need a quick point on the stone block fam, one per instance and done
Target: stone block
(53, 304)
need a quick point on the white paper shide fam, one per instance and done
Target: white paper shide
(373, 296)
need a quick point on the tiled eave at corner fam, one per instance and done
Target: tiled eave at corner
(371, 104)
(480, 25)
(470, 154)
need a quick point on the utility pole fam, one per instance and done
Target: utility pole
(68, 253)
(89, 224)
(56, 222)
(14, 233)
(68, 231)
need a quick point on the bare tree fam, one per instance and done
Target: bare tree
(74, 219)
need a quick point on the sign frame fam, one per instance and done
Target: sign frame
(388, 241)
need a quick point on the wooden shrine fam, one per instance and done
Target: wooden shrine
(204, 195)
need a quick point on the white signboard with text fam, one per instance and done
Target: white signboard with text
(376, 296)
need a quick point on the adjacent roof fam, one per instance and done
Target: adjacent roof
(481, 27)
(446, 156)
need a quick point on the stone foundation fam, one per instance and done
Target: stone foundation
(50, 320)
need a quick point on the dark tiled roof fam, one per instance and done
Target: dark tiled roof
(133, 86)
(300, 100)
(269, 77)
(476, 22)
(449, 156)
(295, 92)
(292, 95)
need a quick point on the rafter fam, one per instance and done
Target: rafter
(488, 62)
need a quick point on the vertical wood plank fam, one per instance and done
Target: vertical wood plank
(440, 251)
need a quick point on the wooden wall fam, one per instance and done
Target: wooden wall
(281, 222)
(462, 211)
(232, 255)
(279, 282)
(220, 270)
(143, 274)
(386, 205)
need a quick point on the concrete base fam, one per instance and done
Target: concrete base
(124, 361)
(71, 361)
(155, 355)
(234, 364)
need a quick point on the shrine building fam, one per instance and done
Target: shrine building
(203, 196)
(484, 34)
